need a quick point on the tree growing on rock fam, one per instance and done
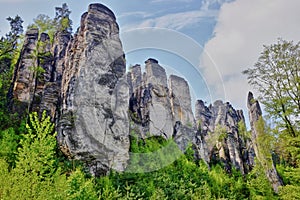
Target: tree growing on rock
(62, 18)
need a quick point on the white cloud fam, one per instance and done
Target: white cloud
(212, 4)
(243, 27)
(175, 21)
(135, 13)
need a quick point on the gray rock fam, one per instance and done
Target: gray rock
(136, 77)
(60, 44)
(160, 112)
(23, 85)
(94, 125)
(33, 77)
(218, 136)
(255, 114)
(181, 101)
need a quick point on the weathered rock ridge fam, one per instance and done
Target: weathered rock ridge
(81, 82)
(161, 106)
(255, 116)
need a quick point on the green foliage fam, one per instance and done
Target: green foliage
(45, 25)
(182, 179)
(264, 141)
(291, 179)
(189, 124)
(37, 152)
(106, 189)
(16, 29)
(288, 149)
(290, 192)
(35, 165)
(246, 135)
(218, 136)
(62, 18)
(80, 188)
(151, 154)
(276, 76)
(10, 47)
(8, 146)
(258, 184)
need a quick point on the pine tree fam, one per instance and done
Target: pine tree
(35, 169)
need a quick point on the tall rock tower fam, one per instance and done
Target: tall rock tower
(255, 114)
(93, 124)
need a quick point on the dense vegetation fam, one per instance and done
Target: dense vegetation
(32, 167)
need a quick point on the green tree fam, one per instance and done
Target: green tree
(35, 170)
(16, 29)
(258, 184)
(8, 146)
(8, 44)
(9, 52)
(62, 18)
(45, 25)
(276, 75)
(80, 188)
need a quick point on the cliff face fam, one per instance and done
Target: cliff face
(24, 82)
(94, 124)
(162, 106)
(81, 82)
(218, 130)
(37, 76)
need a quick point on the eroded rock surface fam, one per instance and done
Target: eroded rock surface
(218, 135)
(255, 115)
(94, 125)
(23, 85)
(35, 85)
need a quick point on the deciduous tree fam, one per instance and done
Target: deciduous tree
(276, 75)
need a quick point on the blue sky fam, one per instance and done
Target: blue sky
(209, 42)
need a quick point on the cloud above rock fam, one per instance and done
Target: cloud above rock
(242, 28)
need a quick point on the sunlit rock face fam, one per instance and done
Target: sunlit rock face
(93, 125)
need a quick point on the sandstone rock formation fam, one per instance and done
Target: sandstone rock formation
(23, 85)
(37, 77)
(94, 124)
(266, 161)
(81, 82)
(181, 101)
(166, 103)
(219, 137)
